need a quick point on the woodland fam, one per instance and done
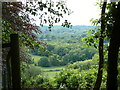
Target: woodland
(65, 57)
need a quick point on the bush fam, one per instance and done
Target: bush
(82, 65)
(72, 79)
(50, 47)
(43, 62)
(54, 60)
(36, 82)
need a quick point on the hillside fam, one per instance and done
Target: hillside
(63, 32)
(64, 45)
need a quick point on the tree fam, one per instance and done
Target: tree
(11, 16)
(54, 60)
(14, 12)
(114, 48)
(61, 51)
(111, 24)
(101, 56)
(44, 62)
(16, 19)
(50, 47)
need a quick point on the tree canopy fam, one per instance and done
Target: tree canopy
(14, 12)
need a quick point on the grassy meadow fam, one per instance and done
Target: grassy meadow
(50, 72)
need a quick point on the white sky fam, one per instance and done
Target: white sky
(84, 10)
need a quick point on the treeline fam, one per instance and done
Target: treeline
(62, 32)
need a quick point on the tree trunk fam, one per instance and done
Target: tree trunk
(101, 56)
(113, 51)
(15, 62)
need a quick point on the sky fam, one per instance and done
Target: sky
(84, 10)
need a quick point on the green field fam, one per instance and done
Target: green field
(36, 58)
(52, 68)
(50, 72)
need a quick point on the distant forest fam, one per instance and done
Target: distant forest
(64, 45)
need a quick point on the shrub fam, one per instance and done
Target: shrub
(43, 62)
(39, 81)
(82, 65)
(72, 79)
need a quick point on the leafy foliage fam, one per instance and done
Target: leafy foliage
(44, 62)
(14, 12)
(36, 82)
(79, 75)
(65, 45)
(73, 79)
(82, 65)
